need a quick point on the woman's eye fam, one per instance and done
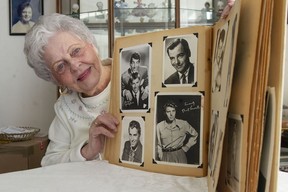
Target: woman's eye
(75, 52)
(59, 68)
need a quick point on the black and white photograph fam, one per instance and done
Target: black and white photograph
(234, 132)
(213, 138)
(23, 15)
(178, 128)
(230, 63)
(219, 53)
(180, 60)
(216, 157)
(135, 75)
(132, 143)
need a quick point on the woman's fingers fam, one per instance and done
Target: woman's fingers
(105, 124)
(101, 130)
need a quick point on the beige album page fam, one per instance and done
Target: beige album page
(225, 34)
(161, 97)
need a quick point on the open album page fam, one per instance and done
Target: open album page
(161, 96)
(225, 34)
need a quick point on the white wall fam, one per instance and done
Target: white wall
(25, 99)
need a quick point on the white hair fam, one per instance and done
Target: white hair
(37, 38)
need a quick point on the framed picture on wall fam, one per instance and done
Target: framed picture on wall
(23, 15)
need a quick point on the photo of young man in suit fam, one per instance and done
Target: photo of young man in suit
(138, 101)
(179, 54)
(135, 62)
(132, 148)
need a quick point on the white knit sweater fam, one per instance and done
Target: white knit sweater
(69, 129)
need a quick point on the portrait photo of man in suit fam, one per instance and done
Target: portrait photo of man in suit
(139, 100)
(133, 148)
(134, 79)
(179, 54)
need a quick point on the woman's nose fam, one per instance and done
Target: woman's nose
(74, 64)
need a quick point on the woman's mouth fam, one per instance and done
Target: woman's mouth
(84, 75)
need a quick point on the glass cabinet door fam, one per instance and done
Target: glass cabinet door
(141, 16)
(95, 15)
(109, 19)
(200, 12)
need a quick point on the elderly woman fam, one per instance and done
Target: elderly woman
(62, 50)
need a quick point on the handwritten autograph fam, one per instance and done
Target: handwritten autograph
(190, 106)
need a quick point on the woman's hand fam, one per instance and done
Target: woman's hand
(104, 125)
(227, 9)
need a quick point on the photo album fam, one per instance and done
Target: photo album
(172, 91)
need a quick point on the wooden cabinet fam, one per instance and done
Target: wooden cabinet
(16, 156)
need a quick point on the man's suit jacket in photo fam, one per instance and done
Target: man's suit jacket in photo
(142, 71)
(175, 79)
(137, 155)
(142, 104)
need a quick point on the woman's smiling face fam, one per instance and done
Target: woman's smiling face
(74, 63)
(26, 14)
